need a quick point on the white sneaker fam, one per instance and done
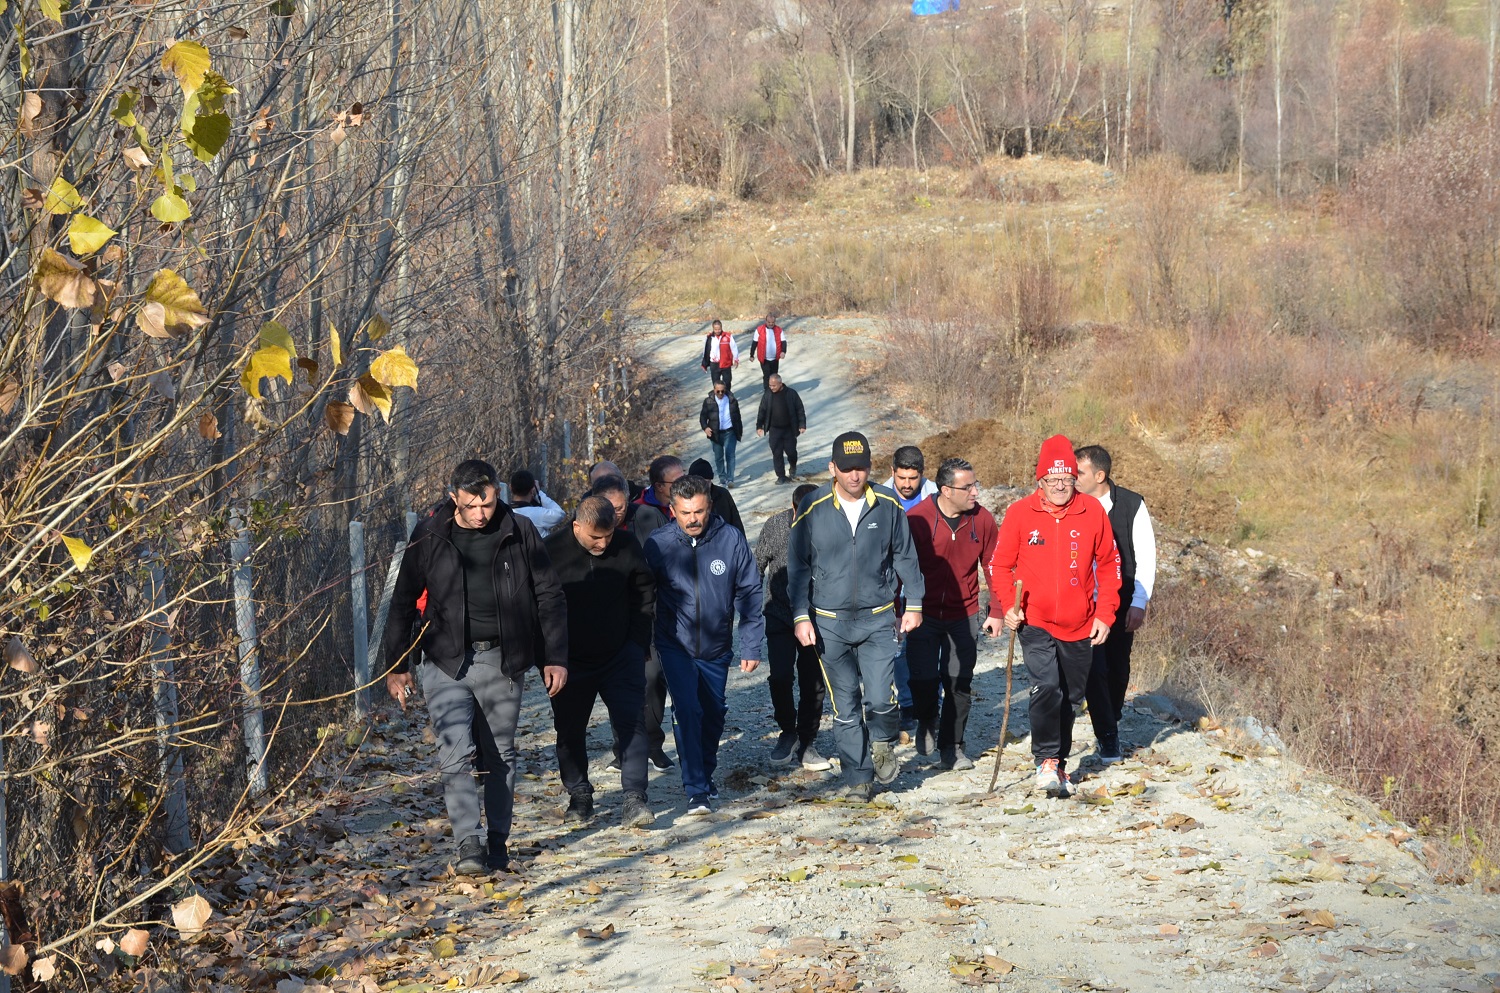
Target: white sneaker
(1049, 778)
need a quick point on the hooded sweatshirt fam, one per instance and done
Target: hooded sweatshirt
(1063, 558)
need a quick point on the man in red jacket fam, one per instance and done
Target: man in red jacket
(954, 538)
(1059, 543)
(770, 349)
(721, 356)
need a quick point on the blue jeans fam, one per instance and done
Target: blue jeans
(698, 710)
(724, 443)
(903, 675)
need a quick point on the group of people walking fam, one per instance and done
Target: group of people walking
(641, 593)
(780, 419)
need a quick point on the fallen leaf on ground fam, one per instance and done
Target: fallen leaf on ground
(592, 934)
(134, 942)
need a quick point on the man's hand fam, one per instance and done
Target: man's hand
(1014, 618)
(749, 665)
(554, 677)
(399, 686)
(802, 430)
(759, 433)
(806, 634)
(993, 626)
(1134, 618)
(1101, 631)
(910, 621)
(708, 432)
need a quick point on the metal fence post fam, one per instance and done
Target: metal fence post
(250, 685)
(360, 611)
(179, 836)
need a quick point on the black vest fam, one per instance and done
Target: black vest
(1127, 503)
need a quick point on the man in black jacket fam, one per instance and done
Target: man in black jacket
(720, 420)
(494, 610)
(720, 499)
(611, 596)
(782, 416)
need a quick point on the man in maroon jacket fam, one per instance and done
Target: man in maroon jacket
(954, 538)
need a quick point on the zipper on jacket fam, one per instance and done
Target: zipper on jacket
(697, 604)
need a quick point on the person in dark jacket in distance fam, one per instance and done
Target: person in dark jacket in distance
(720, 499)
(788, 659)
(494, 610)
(955, 538)
(705, 574)
(782, 416)
(611, 597)
(849, 546)
(720, 420)
(653, 508)
(615, 489)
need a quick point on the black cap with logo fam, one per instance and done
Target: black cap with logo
(851, 450)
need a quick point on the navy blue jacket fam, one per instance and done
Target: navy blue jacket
(700, 584)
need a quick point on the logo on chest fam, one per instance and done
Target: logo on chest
(717, 567)
(1036, 539)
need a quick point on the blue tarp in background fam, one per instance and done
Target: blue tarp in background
(922, 8)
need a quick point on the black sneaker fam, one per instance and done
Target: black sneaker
(580, 808)
(636, 814)
(660, 761)
(1109, 750)
(926, 738)
(699, 806)
(472, 858)
(782, 480)
(785, 752)
(614, 765)
(495, 853)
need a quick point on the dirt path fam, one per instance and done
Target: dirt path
(1206, 862)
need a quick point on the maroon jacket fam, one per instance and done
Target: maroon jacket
(951, 559)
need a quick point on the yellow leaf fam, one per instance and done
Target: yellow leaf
(208, 426)
(188, 61)
(334, 345)
(338, 415)
(275, 333)
(190, 915)
(369, 396)
(61, 197)
(63, 281)
(169, 208)
(377, 327)
(268, 361)
(87, 235)
(80, 551)
(444, 948)
(702, 872)
(171, 307)
(394, 368)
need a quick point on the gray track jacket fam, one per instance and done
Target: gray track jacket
(829, 569)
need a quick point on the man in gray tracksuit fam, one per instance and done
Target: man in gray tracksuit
(849, 546)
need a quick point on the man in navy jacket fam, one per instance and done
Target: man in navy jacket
(705, 573)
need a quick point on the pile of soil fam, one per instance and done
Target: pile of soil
(1002, 457)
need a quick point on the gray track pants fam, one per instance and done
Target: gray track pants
(483, 685)
(858, 652)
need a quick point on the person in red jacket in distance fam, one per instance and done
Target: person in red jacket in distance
(1059, 543)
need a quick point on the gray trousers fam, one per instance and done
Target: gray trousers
(858, 652)
(481, 685)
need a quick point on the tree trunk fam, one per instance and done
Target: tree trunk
(1129, 88)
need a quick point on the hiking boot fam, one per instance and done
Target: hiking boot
(956, 760)
(580, 808)
(1109, 750)
(782, 480)
(926, 738)
(861, 792)
(660, 761)
(1049, 779)
(636, 814)
(785, 751)
(699, 806)
(887, 767)
(472, 859)
(813, 760)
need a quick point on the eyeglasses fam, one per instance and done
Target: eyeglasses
(971, 488)
(1061, 483)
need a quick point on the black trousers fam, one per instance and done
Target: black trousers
(783, 442)
(652, 711)
(1108, 679)
(943, 653)
(621, 684)
(768, 368)
(717, 375)
(1059, 675)
(790, 660)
